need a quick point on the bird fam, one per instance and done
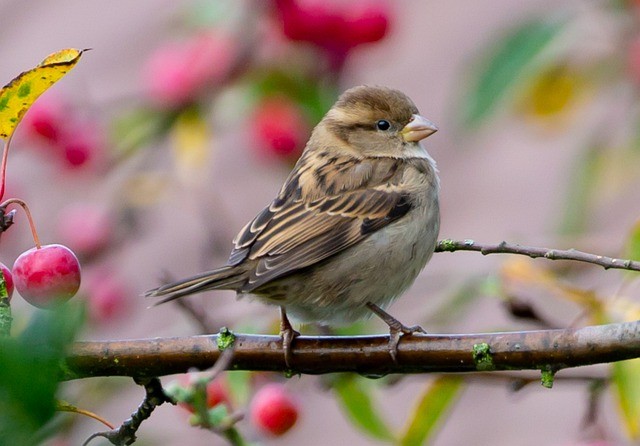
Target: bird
(355, 222)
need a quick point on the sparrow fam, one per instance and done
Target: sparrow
(354, 223)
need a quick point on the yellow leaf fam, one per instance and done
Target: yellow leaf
(553, 91)
(191, 139)
(18, 95)
(519, 273)
(144, 189)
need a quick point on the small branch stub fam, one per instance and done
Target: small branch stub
(547, 376)
(225, 339)
(482, 357)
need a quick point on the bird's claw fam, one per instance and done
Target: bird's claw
(396, 329)
(288, 334)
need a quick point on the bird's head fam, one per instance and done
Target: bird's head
(375, 121)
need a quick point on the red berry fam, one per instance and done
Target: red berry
(47, 275)
(46, 117)
(280, 128)
(633, 59)
(367, 22)
(8, 279)
(217, 393)
(85, 227)
(273, 409)
(336, 27)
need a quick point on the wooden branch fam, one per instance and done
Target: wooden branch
(449, 245)
(547, 350)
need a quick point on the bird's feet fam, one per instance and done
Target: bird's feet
(288, 334)
(396, 329)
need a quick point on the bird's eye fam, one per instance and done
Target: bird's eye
(383, 124)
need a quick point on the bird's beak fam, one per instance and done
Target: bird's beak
(418, 129)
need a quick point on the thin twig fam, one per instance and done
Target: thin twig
(25, 207)
(126, 433)
(549, 350)
(449, 245)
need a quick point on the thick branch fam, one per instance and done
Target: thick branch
(549, 350)
(449, 245)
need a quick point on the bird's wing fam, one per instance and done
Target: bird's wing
(321, 212)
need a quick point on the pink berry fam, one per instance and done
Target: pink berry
(81, 144)
(273, 410)
(279, 128)
(85, 227)
(8, 279)
(107, 295)
(177, 72)
(47, 275)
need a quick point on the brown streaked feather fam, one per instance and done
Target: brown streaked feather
(329, 211)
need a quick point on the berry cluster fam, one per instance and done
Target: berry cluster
(273, 411)
(74, 140)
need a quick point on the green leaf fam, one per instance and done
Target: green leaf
(432, 406)
(239, 382)
(138, 127)
(354, 394)
(460, 300)
(626, 382)
(313, 97)
(507, 63)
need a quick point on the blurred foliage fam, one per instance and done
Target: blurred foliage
(547, 71)
(355, 395)
(431, 410)
(627, 387)
(510, 61)
(30, 372)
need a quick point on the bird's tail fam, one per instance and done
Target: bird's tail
(225, 278)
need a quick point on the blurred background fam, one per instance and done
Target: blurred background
(184, 119)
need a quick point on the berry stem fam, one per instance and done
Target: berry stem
(3, 167)
(24, 206)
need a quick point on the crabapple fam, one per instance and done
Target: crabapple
(273, 409)
(279, 128)
(47, 275)
(217, 393)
